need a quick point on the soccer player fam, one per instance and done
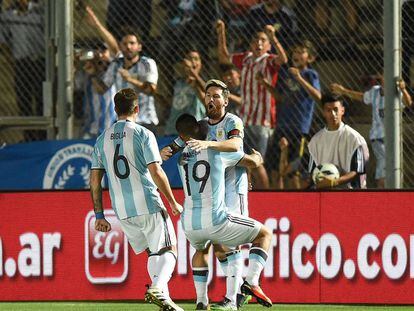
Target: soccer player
(206, 219)
(129, 154)
(225, 133)
(340, 145)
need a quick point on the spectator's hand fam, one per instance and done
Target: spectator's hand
(337, 89)
(124, 74)
(261, 79)
(102, 225)
(295, 72)
(91, 17)
(269, 31)
(283, 143)
(198, 145)
(325, 183)
(89, 68)
(401, 84)
(176, 208)
(220, 27)
(166, 153)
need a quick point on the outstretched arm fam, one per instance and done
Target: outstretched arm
(229, 145)
(340, 90)
(281, 57)
(224, 56)
(253, 160)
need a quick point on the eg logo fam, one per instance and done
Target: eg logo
(106, 253)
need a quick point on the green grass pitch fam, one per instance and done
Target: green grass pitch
(98, 306)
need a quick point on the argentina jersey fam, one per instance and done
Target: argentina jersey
(236, 177)
(202, 175)
(124, 151)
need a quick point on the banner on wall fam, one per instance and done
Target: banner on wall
(328, 247)
(62, 164)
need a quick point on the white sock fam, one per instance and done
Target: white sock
(200, 277)
(166, 265)
(152, 267)
(234, 271)
(223, 265)
(257, 261)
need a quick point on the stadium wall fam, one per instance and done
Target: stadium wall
(328, 247)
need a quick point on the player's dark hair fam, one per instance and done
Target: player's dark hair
(329, 97)
(187, 125)
(125, 102)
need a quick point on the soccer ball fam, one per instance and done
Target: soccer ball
(327, 170)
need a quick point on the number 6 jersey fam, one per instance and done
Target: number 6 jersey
(124, 150)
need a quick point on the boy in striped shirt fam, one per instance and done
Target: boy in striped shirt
(129, 154)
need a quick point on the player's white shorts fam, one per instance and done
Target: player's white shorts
(235, 231)
(238, 205)
(153, 231)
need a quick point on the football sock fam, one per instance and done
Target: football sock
(223, 265)
(152, 267)
(200, 276)
(166, 265)
(234, 271)
(257, 261)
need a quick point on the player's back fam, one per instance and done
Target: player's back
(202, 175)
(125, 149)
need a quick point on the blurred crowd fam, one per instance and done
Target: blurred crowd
(259, 48)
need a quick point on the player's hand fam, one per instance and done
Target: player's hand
(176, 208)
(198, 145)
(91, 17)
(337, 89)
(259, 155)
(220, 27)
(124, 74)
(295, 72)
(324, 183)
(166, 153)
(102, 225)
(401, 84)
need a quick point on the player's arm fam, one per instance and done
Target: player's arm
(232, 144)
(161, 181)
(309, 88)
(168, 151)
(224, 57)
(142, 86)
(253, 160)
(101, 224)
(281, 56)
(341, 90)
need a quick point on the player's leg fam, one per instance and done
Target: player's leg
(200, 277)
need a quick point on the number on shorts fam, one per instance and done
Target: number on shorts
(119, 157)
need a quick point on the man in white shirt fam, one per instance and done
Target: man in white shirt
(340, 145)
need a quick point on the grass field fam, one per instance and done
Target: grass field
(22, 306)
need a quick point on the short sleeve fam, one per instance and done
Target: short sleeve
(151, 74)
(235, 128)
(231, 158)
(179, 142)
(150, 149)
(97, 162)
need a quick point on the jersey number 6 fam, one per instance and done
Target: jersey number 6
(117, 158)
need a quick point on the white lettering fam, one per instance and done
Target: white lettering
(284, 257)
(328, 241)
(302, 241)
(412, 256)
(50, 242)
(367, 242)
(29, 257)
(98, 244)
(1, 258)
(394, 241)
(115, 253)
(270, 224)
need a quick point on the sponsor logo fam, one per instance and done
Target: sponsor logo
(106, 253)
(69, 168)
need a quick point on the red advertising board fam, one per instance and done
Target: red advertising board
(328, 247)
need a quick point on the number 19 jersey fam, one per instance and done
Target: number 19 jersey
(124, 150)
(202, 175)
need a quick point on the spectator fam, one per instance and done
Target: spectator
(22, 30)
(258, 110)
(297, 90)
(273, 12)
(375, 97)
(188, 91)
(134, 71)
(231, 76)
(340, 145)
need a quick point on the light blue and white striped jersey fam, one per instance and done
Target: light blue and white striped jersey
(202, 175)
(124, 151)
(373, 97)
(99, 110)
(145, 70)
(236, 177)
